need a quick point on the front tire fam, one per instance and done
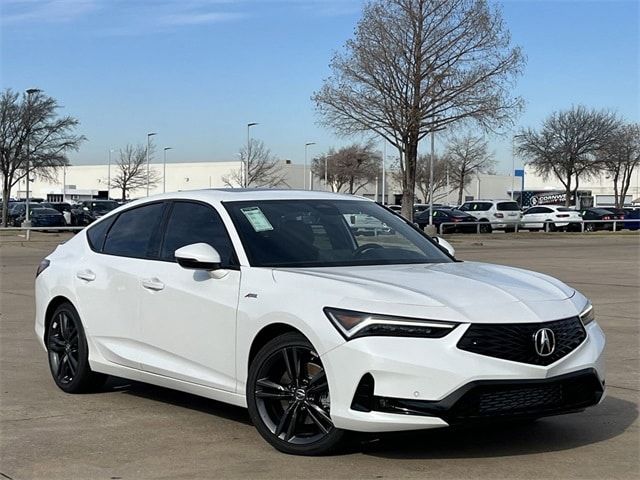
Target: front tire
(69, 354)
(288, 397)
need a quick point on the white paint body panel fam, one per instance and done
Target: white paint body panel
(196, 332)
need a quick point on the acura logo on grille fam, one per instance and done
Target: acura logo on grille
(545, 342)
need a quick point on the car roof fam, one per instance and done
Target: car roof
(250, 194)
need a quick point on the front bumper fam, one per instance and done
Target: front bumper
(429, 373)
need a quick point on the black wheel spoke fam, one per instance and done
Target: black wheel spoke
(287, 364)
(317, 410)
(318, 382)
(292, 423)
(286, 418)
(316, 420)
(296, 365)
(73, 364)
(62, 367)
(56, 345)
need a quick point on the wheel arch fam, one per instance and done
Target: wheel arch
(268, 333)
(51, 307)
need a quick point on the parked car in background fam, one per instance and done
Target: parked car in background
(89, 211)
(599, 214)
(41, 217)
(363, 224)
(507, 212)
(551, 218)
(632, 219)
(64, 208)
(465, 223)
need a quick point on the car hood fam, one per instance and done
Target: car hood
(461, 291)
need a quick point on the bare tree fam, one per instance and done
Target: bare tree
(620, 156)
(263, 168)
(568, 144)
(31, 132)
(467, 155)
(349, 169)
(441, 167)
(131, 170)
(417, 66)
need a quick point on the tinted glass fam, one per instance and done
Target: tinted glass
(323, 233)
(565, 209)
(136, 232)
(102, 207)
(475, 207)
(507, 206)
(195, 223)
(97, 232)
(46, 211)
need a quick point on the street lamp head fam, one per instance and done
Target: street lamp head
(168, 148)
(32, 90)
(151, 134)
(252, 124)
(309, 143)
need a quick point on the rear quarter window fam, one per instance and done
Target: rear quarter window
(98, 232)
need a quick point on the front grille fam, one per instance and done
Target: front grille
(515, 341)
(505, 398)
(533, 399)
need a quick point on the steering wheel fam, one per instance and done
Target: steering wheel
(367, 246)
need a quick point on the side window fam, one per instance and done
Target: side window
(545, 210)
(97, 233)
(195, 223)
(136, 232)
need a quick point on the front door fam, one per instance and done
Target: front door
(188, 318)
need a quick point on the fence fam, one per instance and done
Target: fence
(579, 225)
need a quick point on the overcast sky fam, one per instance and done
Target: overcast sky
(197, 71)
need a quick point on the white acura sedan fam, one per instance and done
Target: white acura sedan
(269, 300)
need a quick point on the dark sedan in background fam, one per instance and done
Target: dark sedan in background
(89, 211)
(600, 214)
(464, 223)
(41, 217)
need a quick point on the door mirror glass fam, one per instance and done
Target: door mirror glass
(199, 256)
(446, 245)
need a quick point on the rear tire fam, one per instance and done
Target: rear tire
(485, 227)
(68, 352)
(288, 397)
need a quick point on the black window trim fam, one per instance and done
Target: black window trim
(234, 262)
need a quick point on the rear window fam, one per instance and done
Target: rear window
(507, 206)
(565, 209)
(476, 207)
(136, 232)
(47, 211)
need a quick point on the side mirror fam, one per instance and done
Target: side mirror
(199, 256)
(446, 245)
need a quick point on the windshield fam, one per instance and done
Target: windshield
(327, 233)
(475, 207)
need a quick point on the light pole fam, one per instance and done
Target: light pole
(326, 173)
(245, 164)
(149, 135)
(384, 173)
(431, 162)
(306, 148)
(164, 169)
(109, 175)
(27, 219)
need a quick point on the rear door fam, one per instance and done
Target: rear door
(107, 279)
(187, 318)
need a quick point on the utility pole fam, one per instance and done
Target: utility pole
(149, 135)
(245, 165)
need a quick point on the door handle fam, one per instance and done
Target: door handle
(153, 284)
(86, 275)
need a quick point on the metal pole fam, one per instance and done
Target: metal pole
(245, 164)
(149, 135)
(513, 166)
(306, 147)
(109, 176)
(27, 217)
(164, 170)
(64, 183)
(326, 172)
(384, 173)
(431, 162)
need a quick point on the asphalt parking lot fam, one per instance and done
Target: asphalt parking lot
(134, 431)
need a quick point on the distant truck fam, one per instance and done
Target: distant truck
(534, 198)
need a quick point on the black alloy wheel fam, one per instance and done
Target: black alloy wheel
(68, 352)
(288, 397)
(485, 227)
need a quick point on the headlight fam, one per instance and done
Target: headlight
(43, 266)
(359, 324)
(588, 315)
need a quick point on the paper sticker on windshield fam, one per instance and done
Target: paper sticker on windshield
(256, 218)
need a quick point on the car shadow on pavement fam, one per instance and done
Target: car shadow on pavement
(597, 424)
(179, 399)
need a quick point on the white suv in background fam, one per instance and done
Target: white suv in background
(551, 217)
(505, 211)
